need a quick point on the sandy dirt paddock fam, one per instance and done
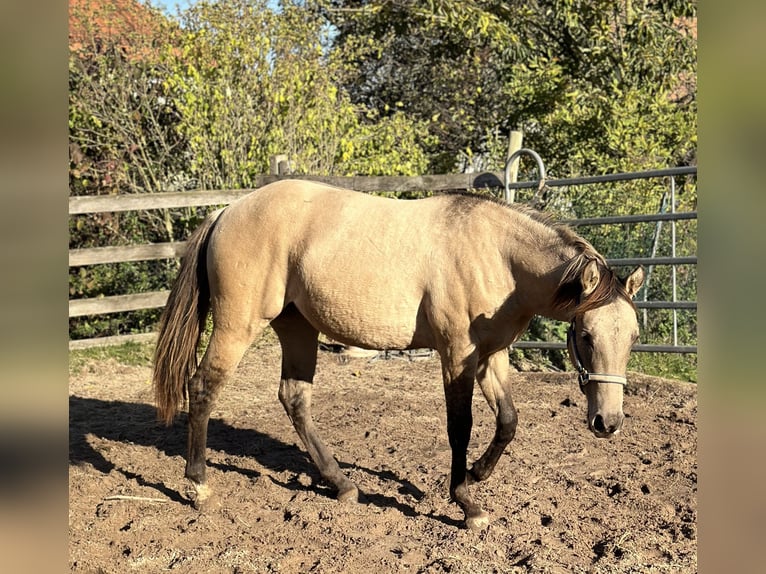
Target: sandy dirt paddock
(560, 499)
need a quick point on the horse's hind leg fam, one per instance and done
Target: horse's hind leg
(494, 381)
(221, 358)
(299, 355)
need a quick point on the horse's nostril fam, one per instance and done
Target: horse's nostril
(606, 426)
(598, 424)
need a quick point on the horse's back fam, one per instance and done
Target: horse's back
(302, 219)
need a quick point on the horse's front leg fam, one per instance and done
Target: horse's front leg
(459, 375)
(494, 376)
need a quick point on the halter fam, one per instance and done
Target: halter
(583, 376)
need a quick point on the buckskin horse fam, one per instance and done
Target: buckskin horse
(459, 273)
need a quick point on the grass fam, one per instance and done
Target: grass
(133, 354)
(139, 354)
(667, 365)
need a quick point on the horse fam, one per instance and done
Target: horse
(459, 273)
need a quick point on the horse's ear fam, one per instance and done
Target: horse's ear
(589, 278)
(634, 281)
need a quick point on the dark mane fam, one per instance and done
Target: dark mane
(569, 291)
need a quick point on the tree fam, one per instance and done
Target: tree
(121, 130)
(596, 86)
(251, 83)
(436, 63)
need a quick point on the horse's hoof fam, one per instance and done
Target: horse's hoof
(478, 522)
(349, 495)
(202, 497)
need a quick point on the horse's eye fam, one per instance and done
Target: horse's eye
(587, 338)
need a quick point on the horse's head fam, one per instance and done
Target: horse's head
(599, 341)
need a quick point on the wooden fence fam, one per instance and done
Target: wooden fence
(433, 183)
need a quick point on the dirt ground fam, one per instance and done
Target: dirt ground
(560, 500)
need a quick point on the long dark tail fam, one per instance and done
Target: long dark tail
(181, 324)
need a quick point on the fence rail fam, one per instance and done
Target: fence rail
(117, 303)
(79, 205)
(123, 254)
(435, 183)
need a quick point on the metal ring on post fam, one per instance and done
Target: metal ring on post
(509, 193)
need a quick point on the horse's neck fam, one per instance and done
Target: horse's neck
(539, 269)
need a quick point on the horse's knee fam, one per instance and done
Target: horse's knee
(506, 424)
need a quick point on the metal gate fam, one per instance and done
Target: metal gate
(666, 213)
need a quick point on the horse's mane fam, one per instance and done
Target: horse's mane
(568, 294)
(465, 200)
(569, 291)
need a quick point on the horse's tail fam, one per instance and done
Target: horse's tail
(182, 324)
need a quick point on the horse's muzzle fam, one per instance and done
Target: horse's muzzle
(606, 426)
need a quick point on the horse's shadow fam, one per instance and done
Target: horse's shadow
(138, 425)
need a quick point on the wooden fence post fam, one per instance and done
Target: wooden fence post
(279, 164)
(515, 139)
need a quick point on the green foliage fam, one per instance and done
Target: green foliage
(596, 86)
(667, 365)
(249, 83)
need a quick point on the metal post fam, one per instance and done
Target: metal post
(279, 164)
(673, 254)
(510, 194)
(655, 244)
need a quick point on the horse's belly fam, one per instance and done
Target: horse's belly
(364, 321)
(362, 286)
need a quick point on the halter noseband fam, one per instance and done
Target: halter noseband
(583, 376)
